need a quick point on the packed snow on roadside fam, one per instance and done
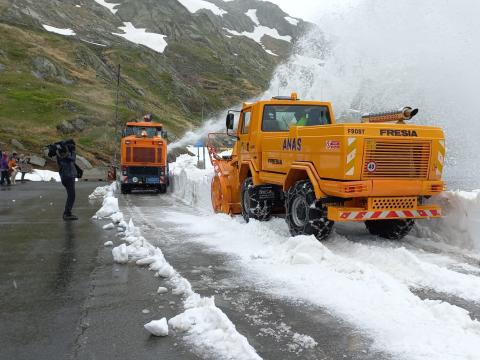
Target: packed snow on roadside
(203, 323)
(140, 36)
(460, 225)
(40, 175)
(367, 285)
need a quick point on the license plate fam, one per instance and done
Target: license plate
(152, 180)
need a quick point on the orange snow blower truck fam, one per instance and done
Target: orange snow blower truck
(290, 157)
(144, 156)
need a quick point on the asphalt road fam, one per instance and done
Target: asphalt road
(61, 295)
(268, 323)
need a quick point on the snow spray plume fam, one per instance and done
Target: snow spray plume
(381, 55)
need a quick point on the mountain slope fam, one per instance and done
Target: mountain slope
(194, 57)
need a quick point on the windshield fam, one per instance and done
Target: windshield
(281, 117)
(141, 131)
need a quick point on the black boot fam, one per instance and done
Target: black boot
(69, 217)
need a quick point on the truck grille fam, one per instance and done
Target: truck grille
(143, 154)
(396, 159)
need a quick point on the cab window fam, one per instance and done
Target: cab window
(246, 122)
(281, 117)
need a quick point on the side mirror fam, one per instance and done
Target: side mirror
(165, 135)
(230, 121)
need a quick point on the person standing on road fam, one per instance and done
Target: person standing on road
(68, 173)
(4, 169)
(12, 168)
(23, 166)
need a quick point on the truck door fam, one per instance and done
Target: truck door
(244, 134)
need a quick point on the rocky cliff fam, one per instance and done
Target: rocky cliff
(181, 60)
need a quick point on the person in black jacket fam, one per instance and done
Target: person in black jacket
(68, 173)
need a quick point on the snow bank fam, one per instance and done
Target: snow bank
(190, 184)
(207, 326)
(110, 203)
(460, 226)
(203, 324)
(40, 175)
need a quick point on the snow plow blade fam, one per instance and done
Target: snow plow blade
(359, 214)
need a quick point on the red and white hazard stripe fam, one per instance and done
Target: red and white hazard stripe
(389, 214)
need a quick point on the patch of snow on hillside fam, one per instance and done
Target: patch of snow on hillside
(259, 32)
(194, 5)
(93, 43)
(252, 14)
(65, 32)
(109, 6)
(140, 36)
(292, 20)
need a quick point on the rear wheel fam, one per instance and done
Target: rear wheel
(305, 214)
(125, 189)
(392, 229)
(253, 206)
(162, 189)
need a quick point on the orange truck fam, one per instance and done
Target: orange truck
(290, 157)
(144, 157)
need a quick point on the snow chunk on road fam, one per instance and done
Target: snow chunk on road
(140, 36)
(99, 192)
(65, 32)
(109, 6)
(162, 290)
(109, 226)
(157, 327)
(108, 243)
(303, 341)
(207, 326)
(194, 5)
(120, 254)
(109, 207)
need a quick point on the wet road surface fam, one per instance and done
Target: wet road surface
(61, 295)
(268, 323)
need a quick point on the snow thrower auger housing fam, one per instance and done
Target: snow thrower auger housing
(290, 157)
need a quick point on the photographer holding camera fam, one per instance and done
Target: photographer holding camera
(64, 151)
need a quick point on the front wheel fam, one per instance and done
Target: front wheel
(305, 214)
(254, 205)
(391, 229)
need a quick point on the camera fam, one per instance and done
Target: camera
(62, 147)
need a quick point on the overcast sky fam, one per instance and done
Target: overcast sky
(311, 10)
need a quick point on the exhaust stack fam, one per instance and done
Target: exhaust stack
(398, 115)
